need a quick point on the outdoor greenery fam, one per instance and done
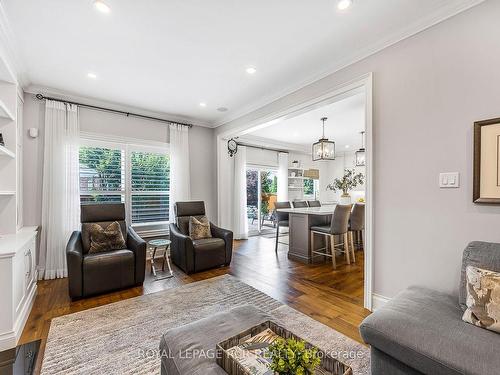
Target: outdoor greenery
(349, 181)
(269, 186)
(291, 357)
(309, 186)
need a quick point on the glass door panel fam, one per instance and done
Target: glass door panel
(253, 198)
(268, 196)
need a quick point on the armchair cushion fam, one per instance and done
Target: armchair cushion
(104, 239)
(208, 252)
(108, 271)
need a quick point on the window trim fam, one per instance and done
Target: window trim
(129, 145)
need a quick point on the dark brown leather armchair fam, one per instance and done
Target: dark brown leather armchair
(103, 272)
(198, 255)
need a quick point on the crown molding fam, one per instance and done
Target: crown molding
(65, 95)
(440, 15)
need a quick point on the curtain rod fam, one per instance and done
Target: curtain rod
(262, 148)
(97, 108)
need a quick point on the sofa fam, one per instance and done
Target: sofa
(421, 331)
(91, 274)
(202, 254)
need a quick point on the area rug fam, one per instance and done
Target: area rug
(123, 337)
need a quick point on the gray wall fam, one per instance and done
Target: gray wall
(428, 90)
(201, 146)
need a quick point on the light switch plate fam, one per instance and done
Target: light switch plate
(449, 180)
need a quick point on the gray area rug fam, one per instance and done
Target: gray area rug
(123, 337)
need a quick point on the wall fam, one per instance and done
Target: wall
(427, 92)
(201, 146)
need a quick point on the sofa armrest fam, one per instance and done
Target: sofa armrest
(74, 258)
(227, 236)
(181, 249)
(138, 246)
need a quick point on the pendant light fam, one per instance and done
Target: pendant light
(323, 149)
(361, 153)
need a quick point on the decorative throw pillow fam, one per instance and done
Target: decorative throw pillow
(199, 228)
(483, 298)
(110, 238)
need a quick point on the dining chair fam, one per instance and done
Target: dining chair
(281, 220)
(300, 204)
(357, 223)
(337, 227)
(314, 203)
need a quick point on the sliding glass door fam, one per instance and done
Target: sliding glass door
(262, 188)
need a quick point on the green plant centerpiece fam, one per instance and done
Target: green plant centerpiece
(292, 357)
(349, 181)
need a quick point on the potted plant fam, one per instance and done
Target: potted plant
(292, 357)
(349, 181)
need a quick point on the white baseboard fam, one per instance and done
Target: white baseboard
(378, 301)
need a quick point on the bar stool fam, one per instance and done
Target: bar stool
(314, 203)
(281, 220)
(338, 227)
(357, 223)
(300, 204)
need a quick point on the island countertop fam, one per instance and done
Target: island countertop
(323, 210)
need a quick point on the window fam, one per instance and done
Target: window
(137, 176)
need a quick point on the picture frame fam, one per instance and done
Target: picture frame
(486, 170)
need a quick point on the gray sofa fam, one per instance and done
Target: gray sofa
(420, 331)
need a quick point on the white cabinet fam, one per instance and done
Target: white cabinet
(17, 283)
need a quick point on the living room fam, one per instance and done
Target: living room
(122, 233)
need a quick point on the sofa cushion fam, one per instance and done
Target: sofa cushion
(483, 298)
(423, 329)
(107, 271)
(177, 344)
(478, 254)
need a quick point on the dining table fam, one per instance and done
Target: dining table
(300, 222)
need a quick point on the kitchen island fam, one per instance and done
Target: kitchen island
(300, 221)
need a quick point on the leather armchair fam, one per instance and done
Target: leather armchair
(198, 255)
(91, 274)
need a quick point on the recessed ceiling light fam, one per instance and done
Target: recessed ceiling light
(92, 75)
(101, 6)
(251, 70)
(347, 146)
(203, 104)
(344, 4)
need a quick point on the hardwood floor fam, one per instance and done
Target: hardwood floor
(334, 298)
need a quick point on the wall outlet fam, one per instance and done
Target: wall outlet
(449, 180)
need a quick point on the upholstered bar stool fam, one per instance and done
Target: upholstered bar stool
(356, 224)
(338, 227)
(314, 203)
(281, 220)
(300, 204)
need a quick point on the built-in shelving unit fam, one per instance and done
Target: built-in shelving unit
(4, 151)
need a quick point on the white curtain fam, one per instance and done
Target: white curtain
(180, 187)
(240, 219)
(282, 177)
(61, 193)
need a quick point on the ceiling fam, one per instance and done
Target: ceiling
(168, 56)
(346, 119)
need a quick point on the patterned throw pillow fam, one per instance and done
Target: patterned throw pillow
(102, 240)
(199, 228)
(483, 298)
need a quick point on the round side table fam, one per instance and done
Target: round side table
(154, 245)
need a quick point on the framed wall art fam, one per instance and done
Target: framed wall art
(487, 161)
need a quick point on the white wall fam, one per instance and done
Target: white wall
(201, 146)
(427, 92)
